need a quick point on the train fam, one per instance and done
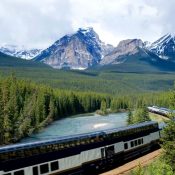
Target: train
(161, 110)
(81, 153)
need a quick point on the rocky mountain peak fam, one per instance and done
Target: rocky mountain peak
(130, 43)
(124, 48)
(164, 47)
(75, 51)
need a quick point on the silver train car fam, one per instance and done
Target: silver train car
(79, 154)
(160, 110)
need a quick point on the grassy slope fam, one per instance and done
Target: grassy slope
(107, 80)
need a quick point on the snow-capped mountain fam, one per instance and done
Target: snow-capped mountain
(79, 50)
(84, 49)
(164, 47)
(19, 51)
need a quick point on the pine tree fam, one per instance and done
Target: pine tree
(140, 115)
(168, 144)
(103, 107)
(1, 117)
(7, 127)
(130, 117)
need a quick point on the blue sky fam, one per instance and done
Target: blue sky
(38, 23)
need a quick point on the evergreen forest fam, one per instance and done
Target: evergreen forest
(26, 106)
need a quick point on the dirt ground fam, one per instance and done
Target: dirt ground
(126, 168)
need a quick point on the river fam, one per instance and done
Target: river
(78, 124)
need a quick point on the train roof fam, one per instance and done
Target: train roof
(73, 137)
(161, 108)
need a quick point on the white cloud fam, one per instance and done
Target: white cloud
(38, 23)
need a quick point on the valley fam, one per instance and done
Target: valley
(83, 85)
(107, 81)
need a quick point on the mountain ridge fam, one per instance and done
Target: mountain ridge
(84, 49)
(112, 55)
(19, 51)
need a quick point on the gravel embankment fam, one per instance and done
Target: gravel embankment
(126, 168)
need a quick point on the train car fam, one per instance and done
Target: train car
(83, 153)
(160, 110)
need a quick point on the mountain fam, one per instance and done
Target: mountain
(76, 51)
(19, 52)
(84, 49)
(133, 55)
(164, 47)
(125, 48)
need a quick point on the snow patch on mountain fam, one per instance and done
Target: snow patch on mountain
(19, 51)
(164, 47)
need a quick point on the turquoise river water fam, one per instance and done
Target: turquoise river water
(79, 124)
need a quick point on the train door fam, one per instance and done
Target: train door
(103, 153)
(109, 152)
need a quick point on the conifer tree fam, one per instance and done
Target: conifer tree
(168, 144)
(103, 107)
(130, 117)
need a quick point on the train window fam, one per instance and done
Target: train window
(126, 146)
(54, 166)
(35, 170)
(135, 142)
(139, 142)
(142, 140)
(132, 144)
(20, 172)
(44, 168)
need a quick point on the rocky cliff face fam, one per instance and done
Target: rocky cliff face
(77, 51)
(124, 48)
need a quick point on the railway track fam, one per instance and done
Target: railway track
(127, 167)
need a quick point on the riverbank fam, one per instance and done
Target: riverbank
(157, 117)
(109, 111)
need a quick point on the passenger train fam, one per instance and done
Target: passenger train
(160, 110)
(83, 153)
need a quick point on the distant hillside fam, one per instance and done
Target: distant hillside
(10, 61)
(107, 79)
